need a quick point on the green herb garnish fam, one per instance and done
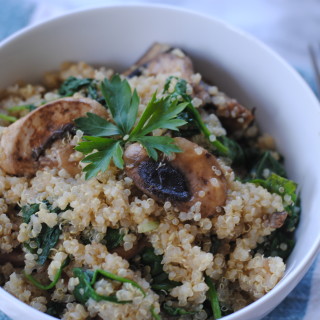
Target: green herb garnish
(85, 289)
(55, 308)
(55, 280)
(108, 139)
(213, 298)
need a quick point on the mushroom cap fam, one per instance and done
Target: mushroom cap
(23, 141)
(203, 177)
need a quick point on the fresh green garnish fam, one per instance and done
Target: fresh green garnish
(155, 315)
(55, 280)
(175, 311)
(213, 298)
(108, 139)
(180, 93)
(5, 117)
(85, 289)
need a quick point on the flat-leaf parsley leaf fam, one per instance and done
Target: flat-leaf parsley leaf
(104, 140)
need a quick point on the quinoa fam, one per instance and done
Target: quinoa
(89, 209)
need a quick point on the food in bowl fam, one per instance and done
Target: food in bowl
(145, 195)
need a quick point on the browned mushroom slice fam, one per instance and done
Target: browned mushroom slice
(194, 175)
(277, 219)
(23, 142)
(138, 246)
(161, 59)
(16, 258)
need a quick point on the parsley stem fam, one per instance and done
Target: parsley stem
(196, 115)
(55, 280)
(7, 118)
(213, 298)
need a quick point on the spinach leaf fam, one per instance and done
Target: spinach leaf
(85, 289)
(36, 283)
(55, 308)
(278, 244)
(48, 237)
(46, 240)
(284, 187)
(213, 298)
(235, 152)
(113, 238)
(266, 165)
(72, 85)
(29, 210)
(160, 282)
(173, 311)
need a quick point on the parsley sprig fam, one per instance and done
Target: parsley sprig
(104, 140)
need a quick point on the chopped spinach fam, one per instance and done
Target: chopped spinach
(235, 152)
(72, 85)
(180, 93)
(266, 165)
(55, 280)
(278, 244)
(46, 240)
(48, 237)
(85, 289)
(29, 210)
(160, 280)
(213, 298)
(55, 308)
(113, 238)
(281, 241)
(175, 311)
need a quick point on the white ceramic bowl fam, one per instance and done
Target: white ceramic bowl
(116, 36)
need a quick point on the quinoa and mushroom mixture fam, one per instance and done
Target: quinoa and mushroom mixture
(149, 194)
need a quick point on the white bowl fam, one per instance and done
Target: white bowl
(246, 69)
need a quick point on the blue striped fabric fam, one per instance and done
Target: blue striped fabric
(15, 14)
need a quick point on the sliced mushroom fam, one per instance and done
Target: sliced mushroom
(23, 142)
(138, 246)
(16, 258)
(194, 175)
(277, 219)
(161, 59)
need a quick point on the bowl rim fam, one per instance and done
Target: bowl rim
(302, 266)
